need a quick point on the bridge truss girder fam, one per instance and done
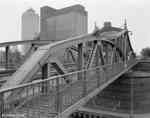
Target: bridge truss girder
(118, 48)
(100, 46)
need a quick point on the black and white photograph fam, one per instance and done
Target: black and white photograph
(74, 59)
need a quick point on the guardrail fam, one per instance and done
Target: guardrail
(55, 94)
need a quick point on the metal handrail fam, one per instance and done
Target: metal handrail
(51, 78)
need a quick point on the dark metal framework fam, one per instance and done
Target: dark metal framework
(86, 52)
(109, 51)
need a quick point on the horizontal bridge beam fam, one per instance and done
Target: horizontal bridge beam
(14, 43)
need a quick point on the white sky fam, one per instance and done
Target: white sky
(135, 11)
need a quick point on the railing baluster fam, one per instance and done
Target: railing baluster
(84, 83)
(27, 93)
(33, 90)
(71, 83)
(58, 101)
(1, 105)
(38, 89)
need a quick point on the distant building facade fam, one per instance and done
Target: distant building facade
(30, 27)
(56, 25)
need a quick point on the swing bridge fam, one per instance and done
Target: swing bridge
(95, 75)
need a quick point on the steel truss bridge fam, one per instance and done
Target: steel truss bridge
(84, 66)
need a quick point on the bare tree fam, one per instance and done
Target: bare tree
(145, 52)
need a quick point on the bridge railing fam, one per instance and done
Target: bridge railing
(55, 94)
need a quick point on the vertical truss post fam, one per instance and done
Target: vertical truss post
(118, 55)
(84, 76)
(67, 54)
(97, 66)
(96, 54)
(80, 60)
(6, 56)
(84, 81)
(106, 54)
(92, 55)
(44, 76)
(112, 55)
(125, 51)
(117, 46)
(100, 50)
(122, 48)
(1, 105)
(49, 69)
(115, 54)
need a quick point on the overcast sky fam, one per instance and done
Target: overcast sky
(137, 13)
